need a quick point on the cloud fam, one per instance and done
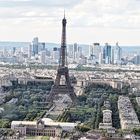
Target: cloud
(39, 3)
(85, 15)
(107, 13)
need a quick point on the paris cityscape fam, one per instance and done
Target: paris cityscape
(69, 90)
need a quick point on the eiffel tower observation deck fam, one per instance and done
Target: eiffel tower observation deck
(63, 70)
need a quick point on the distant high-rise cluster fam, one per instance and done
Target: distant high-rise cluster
(74, 53)
(104, 54)
(37, 51)
(95, 54)
(43, 53)
(36, 47)
(55, 55)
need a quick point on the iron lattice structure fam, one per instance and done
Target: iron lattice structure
(63, 70)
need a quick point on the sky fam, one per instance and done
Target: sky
(88, 21)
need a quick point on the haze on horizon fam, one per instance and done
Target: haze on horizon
(88, 21)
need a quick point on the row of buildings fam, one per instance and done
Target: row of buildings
(107, 116)
(107, 120)
(127, 114)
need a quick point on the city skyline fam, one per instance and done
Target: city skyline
(88, 21)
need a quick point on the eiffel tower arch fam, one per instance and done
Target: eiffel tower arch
(63, 70)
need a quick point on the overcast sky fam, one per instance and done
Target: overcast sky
(88, 21)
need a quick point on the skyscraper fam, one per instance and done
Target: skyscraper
(79, 51)
(107, 54)
(97, 52)
(30, 51)
(41, 46)
(43, 57)
(56, 54)
(75, 50)
(90, 52)
(91, 58)
(14, 51)
(117, 52)
(35, 46)
(70, 51)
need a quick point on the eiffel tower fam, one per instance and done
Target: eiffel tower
(63, 70)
